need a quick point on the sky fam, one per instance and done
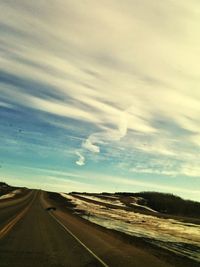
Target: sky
(100, 95)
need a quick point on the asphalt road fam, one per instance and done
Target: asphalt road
(37, 239)
(12, 207)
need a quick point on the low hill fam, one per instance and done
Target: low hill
(166, 203)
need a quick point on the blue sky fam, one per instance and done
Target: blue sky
(100, 95)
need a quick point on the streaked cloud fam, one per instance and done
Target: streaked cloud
(120, 84)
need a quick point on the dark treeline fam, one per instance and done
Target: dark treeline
(167, 203)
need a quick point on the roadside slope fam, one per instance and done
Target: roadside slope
(110, 246)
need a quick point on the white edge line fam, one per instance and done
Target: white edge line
(79, 241)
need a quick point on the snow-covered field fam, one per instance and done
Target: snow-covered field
(115, 201)
(181, 238)
(11, 194)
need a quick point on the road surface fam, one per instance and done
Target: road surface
(32, 236)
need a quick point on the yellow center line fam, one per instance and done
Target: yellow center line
(13, 222)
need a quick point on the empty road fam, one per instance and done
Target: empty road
(38, 240)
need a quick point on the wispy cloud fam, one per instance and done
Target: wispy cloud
(89, 145)
(120, 82)
(81, 160)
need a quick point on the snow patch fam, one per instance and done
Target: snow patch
(11, 194)
(114, 201)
